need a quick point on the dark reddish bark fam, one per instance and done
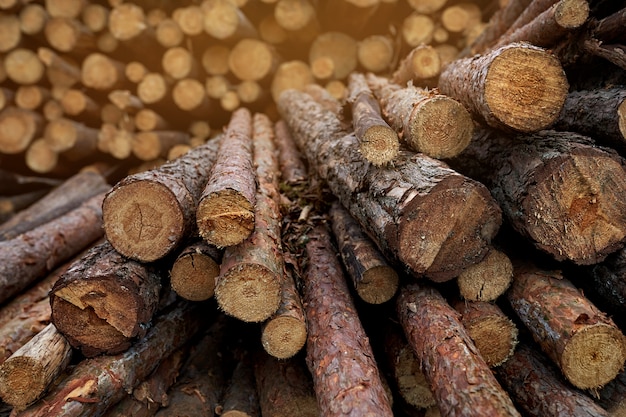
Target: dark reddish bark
(292, 168)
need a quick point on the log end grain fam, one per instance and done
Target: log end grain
(379, 144)
(193, 276)
(283, 336)
(594, 356)
(410, 379)
(525, 88)
(571, 14)
(225, 218)
(22, 381)
(143, 220)
(378, 284)
(249, 292)
(99, 72)
(487, 279)
(495, 337)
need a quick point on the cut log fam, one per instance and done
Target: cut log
(169, 34)
(516, 87)
(95, 16)
(225, 214)
(450, 360)
(40, 157)
(194, 271)
(32, 254)
(64, 134)
(493, 333)
(104, 300)
(240, 398)
(538, 389)
(100, 72)
(148, 214)
(417, 29)
(422, 63)
(252, 60)
(60, 71)
(147, 120)
(551, 187)
(251, 274)
(426, 6)
(290, 161)
(290, 74)
(284, 387)
(69, 35)
(528, 14)
(18, 128)
(374, 280)
(23, 66)
(428, 122)
(79, 105)
(152, 88)
(147, 146)
(460, 17)
(340, 47)
(63, 198)
(215, 59)
(346, 377)
(11, 35)
(378, 141)
(376, 53)
(445, 245)
(189, 19)
(487, 279)
(10, 205)
(223, 20)
(580, 339)
(32, 368)
(178, 62)
(31, 97)
(98, 383)
(190, 96)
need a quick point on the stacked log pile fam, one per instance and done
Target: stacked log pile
(312, 207)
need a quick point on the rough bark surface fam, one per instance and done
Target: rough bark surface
(537, 388)
(292, 168)
(556, 188)
(585, 344)
(148, 214)
(345, 376)
(517, 87)
(421, 213)
(461, 381)
(193, 273)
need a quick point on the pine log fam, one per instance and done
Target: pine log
(251, 274)
(290, 74)
(78, 104)
(609, 28)
(6, 97)
(326, 99)
(60, 70)
(417, 29)
(517, 87)
(147, 146)
(18, 330)
(340, 47)
(240, 397)
(580, 339)
(189, 19)
(291, 165)
(95, 16)
(101, 72)
(189, 95)
(374, 280)
(252, 59)
(223, 20)
(378, 141)
(32, 368)
(169, 34)
(428, 122)
(487, 279)
(63, 198)
(284, 387)
(31, 255)
(18, 128)
(135, 71)
(215, 59)
(552, 187)
(225, 214)
(10, 205)
(152, 88)
(148, 214)
(404, 213)
(538, 389)
(98, 383)
(460, 380)
(422, 63)
(64, 134)
(64, 8)
(147, 120)
(460, 17)
(613, 396)
(178, 62)
(194, 271)
(12, 183)
(69, 35)
(23, 66)
(376, 53)
(528, 14)
(52, 110)
(346, 377)
(599, 114)
(31, 97)
(493, 333)
(104, 300)
(40, 157)
(10, 36)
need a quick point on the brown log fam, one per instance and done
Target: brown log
(101, 72)
(290, 74)
(6, 97)
(251, 274)
(152, 88)
(417, 29)
(460, 17)
(215, 59)
(376, 53)
(64, 8)
(194, 271)
(422, 63)
(580, 339)
(31, 97)
(252, 59)
(48, 245)
(613, 396)
(450, 360)
(148, 214)
(225, 214)
(147, 120)
(284, 387)
(487, 279)
(60, 200)
(325, 98)
(394, 225)
(493, 333)
(428, 122)
(52, 110)
(64, 134)
(126, 101)
(609, 28)
(178, 62)
(169, 34)
(128, 23)
(189, 19)
(374, 280)
(190, 95)
(17, 331)
(40, 157)
(217, 86)
(292, 168)
(530, 12)
(10, 205)
(104, 300)
(516, 87)
(223, 20)
(32, 368)
(11, 35)
(79, 105)
(95, 16)
(538, 389)
(240, 397)
(148, 146)
(60, 70)
(69, 35)
(98, 383)
(340, 47)
(18, 128)
(379, 143)
(135, 71)
(550, 185)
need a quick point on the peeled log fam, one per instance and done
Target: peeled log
(421, 213)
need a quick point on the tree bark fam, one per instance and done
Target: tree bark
(420, 64)
(428, 122)
(538, 389)
(33, 254)
(194, 271)
(292, 168)
(11, 205)
(12, 183)
(585, 344)
(378, 141)
(240, 398)
(517, 87)
(345, 375)
(396, 205)
(552, 188)
(374, 280)
(461, 381)
(148, 214)
(487, 279)
(225, 214)
(107, 288)
(18, 127)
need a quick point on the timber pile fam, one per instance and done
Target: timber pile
(312, 207)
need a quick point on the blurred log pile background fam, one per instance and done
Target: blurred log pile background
(312, 207)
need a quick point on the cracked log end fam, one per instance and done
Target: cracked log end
(193, 276)
(143, 220)
(525, 88)
(379, 145)
(378, 284)
(487, 279)
(225, 218)
(26, 381)
(284, 336)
